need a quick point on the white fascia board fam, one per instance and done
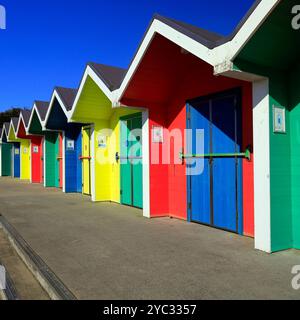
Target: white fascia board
(19, 122)
(11, 127)
(3, 131)
(102, 86)
(230, 50)
(174, 36)
(31, 116)
(55, 95)
(261, 142)
(146, 165)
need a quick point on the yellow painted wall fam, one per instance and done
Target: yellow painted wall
(25, 160)
(107, 175)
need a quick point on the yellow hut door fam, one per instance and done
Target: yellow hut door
(86, 160)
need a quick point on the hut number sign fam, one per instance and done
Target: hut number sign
(70, 145)
(279, 120)
(102, 141)
(35, 149)
(157, 134)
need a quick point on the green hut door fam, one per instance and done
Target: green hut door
(6, 159)
(131, 161)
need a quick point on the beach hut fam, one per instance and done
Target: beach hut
(15, 148)
(109, 172)
(265, 51)
(46, 149)
(70, 137)
(199, 134)
(25, 143)
(6, 151)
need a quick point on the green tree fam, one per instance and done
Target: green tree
(8, 114)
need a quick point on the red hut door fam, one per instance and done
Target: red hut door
(60, 159)
(37, 160)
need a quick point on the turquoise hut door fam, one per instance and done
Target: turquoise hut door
(131, 161)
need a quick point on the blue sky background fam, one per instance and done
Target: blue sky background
(49, 42)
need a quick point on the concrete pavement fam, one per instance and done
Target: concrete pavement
(27, 287)
(109, 251)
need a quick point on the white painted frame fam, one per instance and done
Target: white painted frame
(262, 192)
(93, 163)
(55, 95)
(146, 165)
(89, 72)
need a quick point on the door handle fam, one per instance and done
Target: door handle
(85, 158)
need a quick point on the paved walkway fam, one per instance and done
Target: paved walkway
(27, 287)
(108, 251)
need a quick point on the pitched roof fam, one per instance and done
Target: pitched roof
(111, 76)
(26, 116)
(67, 96)
(205, 37)
(6, 127)
(15, 122)
(42, 108)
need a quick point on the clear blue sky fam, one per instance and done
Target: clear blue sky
(49, 42)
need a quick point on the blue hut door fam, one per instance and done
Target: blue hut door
(16, 155)
(215, 195)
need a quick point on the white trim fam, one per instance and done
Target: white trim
(11, 125)
(174, 36)
(21, 118)
(64, 160)
(93, 164)
(146, 166)
(231, 49)
(30, 119)
(261, 141)
(54, 96)
(215, 57)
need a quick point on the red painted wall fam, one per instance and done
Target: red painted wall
(164, 81)
(37, 165)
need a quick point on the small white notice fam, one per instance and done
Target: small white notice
(102, 141)
(35, 149)
(70, 145)
(279, 119)
(157, 134)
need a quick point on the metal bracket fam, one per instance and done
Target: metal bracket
(246, 155)
(118, 157)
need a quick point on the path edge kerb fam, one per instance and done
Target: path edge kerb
(49, 281)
